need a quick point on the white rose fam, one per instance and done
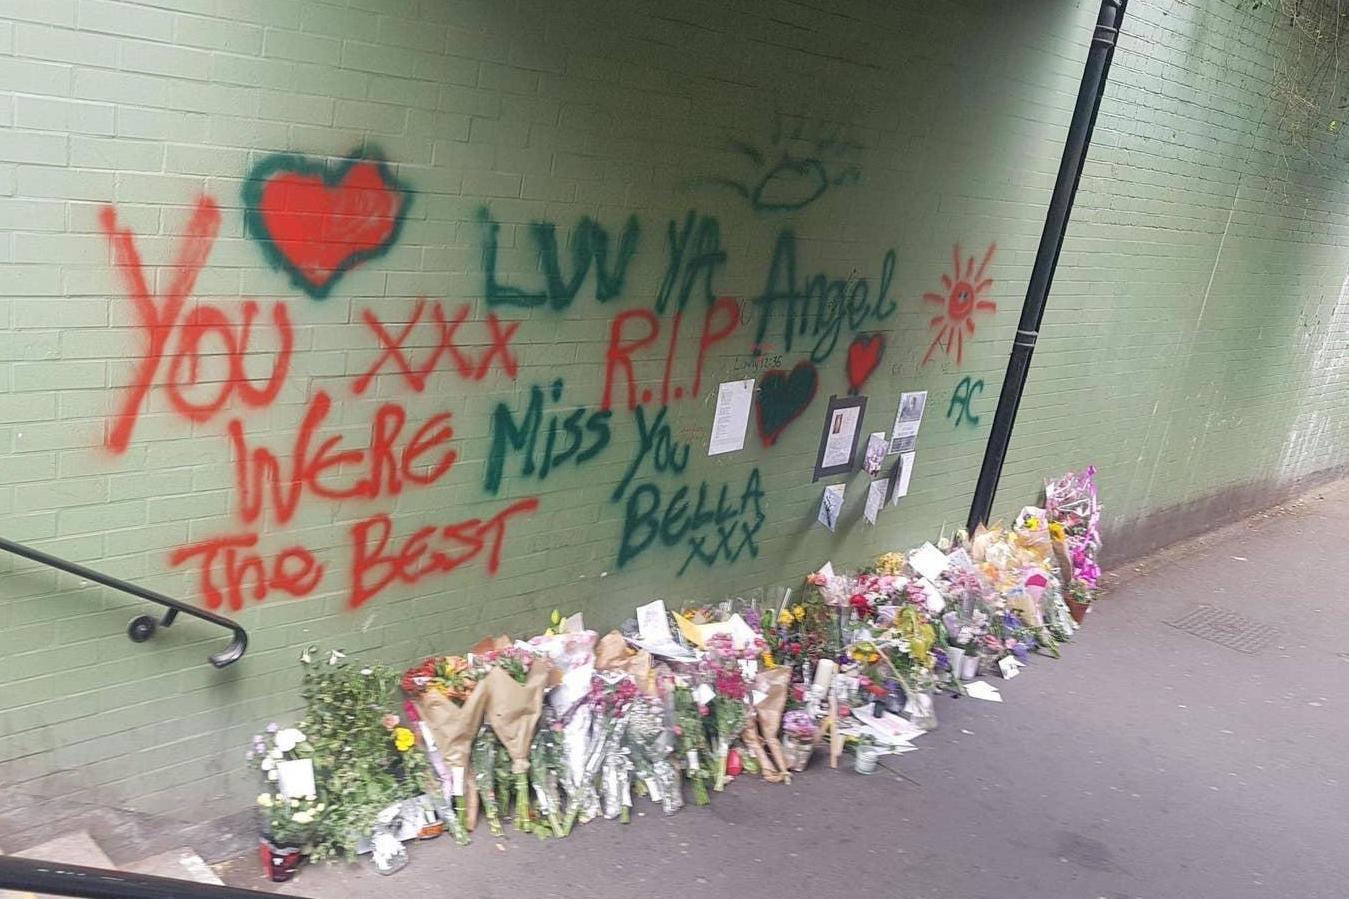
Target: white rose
(265, 800)
(272, 775)
(302, 818)
(268, 763)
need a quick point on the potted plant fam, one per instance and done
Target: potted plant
(289, 805)
(866, 753)
(1079, 597)
(799, 734)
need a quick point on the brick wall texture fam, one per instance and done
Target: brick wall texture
(384, 324)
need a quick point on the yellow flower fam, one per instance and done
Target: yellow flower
(874, 657)
(799, 612)
(768, 660)
(1033, 523)
(785, 618)
(1056, 530)
(403, 739)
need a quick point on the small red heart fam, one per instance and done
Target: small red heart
(317, 223)
(864, 354)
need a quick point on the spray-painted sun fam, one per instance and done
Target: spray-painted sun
(965, 289)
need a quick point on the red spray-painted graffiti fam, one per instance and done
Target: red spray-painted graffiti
(864, 354)
(445, 345)
(315, 222)
(964, 297)
(719, 323)
(160, 320)
(270, 486)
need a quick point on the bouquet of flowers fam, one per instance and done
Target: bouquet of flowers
(613, 694)
(516, 681)
(572, 656)
(284, 759)
(765, 720)
(692, 741)
(485, 761)
(728, 705)
(451, 703)
(547, 770)
(442, 772)
(649, 741)
(804, 632)
(802, 733)
(363, 765)
(1071, 503)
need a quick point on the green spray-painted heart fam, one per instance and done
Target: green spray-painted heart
(782, 397)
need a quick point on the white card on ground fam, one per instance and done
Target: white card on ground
(894, 728)
(875, 499)
(983, 690)
(908, 418)
(1009, 667)
(652, 622)
(928, 561)
(653, 630)
(731, 420)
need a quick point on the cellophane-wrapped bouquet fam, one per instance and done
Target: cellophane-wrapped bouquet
(649, 740)
(692, 745)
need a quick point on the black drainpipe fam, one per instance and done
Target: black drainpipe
(1094, 76)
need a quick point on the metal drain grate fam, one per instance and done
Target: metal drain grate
(1226, 628)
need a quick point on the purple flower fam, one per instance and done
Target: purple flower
(943, 662)
(273, 727)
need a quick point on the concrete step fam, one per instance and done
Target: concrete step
(82, 849)
(68, 849)
(180, 864)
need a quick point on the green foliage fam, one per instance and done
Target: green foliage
(358, 769)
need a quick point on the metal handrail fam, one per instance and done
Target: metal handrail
(56, 879)
(142, 628)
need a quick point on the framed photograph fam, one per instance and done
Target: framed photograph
(838, 441)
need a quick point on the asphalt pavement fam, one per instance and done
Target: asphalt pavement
(1190, 743)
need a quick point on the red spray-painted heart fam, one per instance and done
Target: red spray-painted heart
(316, 222)
(864, 354)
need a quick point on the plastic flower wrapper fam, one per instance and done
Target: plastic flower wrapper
(606, 702)
(451, 702)
(547, 769)
(691, 741)
(573, 659)
(612, 693)
(486, 751)
(649, 741)
(516, 683)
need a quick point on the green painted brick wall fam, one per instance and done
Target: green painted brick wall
(1191, 350)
